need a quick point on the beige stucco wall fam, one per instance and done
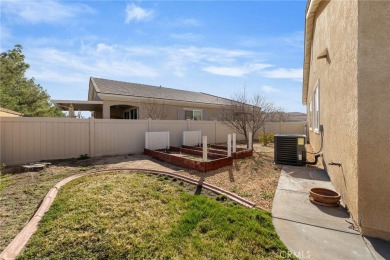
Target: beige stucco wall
(354, 91)
(374, 118)
(173, 112)
(336, 28)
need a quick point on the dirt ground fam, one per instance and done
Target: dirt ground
(254, 178)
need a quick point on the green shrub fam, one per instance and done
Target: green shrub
(271, 138)
(265, 138)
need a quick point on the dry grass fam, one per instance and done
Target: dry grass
(255, 178)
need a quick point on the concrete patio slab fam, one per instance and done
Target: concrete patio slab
(317, 232)
(307, 241)
(378, 247)
(303, 179)
(296, 206)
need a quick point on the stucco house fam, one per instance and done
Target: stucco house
(110, 99)
(9, 113)
(346, 88)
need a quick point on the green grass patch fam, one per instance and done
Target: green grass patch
(5, 179)
(137, 216)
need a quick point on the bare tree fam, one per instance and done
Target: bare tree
(280, 116)
(246, 115)
(153, 110)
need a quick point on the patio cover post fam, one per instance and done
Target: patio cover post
(92, 137)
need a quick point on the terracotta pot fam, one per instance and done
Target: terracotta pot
(325, 195)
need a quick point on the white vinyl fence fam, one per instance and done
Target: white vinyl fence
(192, 138)
(157, 140)
(25, 140)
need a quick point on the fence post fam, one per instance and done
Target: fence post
(250, 141)
(234, 143)
(149, 124)
(91, 137)
(215, 131)
(280, 127)
(229, 145)
(204, 143)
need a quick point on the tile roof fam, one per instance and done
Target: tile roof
(105, 86)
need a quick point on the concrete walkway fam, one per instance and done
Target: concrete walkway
(316, 232)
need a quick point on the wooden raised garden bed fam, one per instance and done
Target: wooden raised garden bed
(215, 161)
(222, 149)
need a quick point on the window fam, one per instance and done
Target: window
(131, 113)
(193, 114)
(316, 110)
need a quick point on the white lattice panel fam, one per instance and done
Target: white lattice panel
(192, 138)
(156, 140)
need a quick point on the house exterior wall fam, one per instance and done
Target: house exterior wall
(354, 98)
(6, 114)
(335, 28)
(374, 118)
(173, 112)
(9, 113)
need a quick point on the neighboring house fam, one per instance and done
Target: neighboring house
(110, 99)
(9, 113)
(346, 88)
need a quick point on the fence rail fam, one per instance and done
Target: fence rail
(25, 140)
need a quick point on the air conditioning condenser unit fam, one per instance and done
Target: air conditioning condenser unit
(290, 149)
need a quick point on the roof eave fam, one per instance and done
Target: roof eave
(91, 89)
(117, 97)
(309, 29)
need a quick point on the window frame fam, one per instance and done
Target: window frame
(193, 117)
(131, 113)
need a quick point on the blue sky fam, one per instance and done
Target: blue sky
(217, 47)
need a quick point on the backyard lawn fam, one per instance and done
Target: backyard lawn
(117, 215)
(21, 192)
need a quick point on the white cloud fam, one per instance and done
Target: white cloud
(295, 74)
(137, 13)
(294, 39)
(62, 67)
(181, 22)
(5, 33)
(236, 71)
(226, 71)
(269, 89)
(44, 11)
(102, 47)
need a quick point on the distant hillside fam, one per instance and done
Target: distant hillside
(296, 116)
